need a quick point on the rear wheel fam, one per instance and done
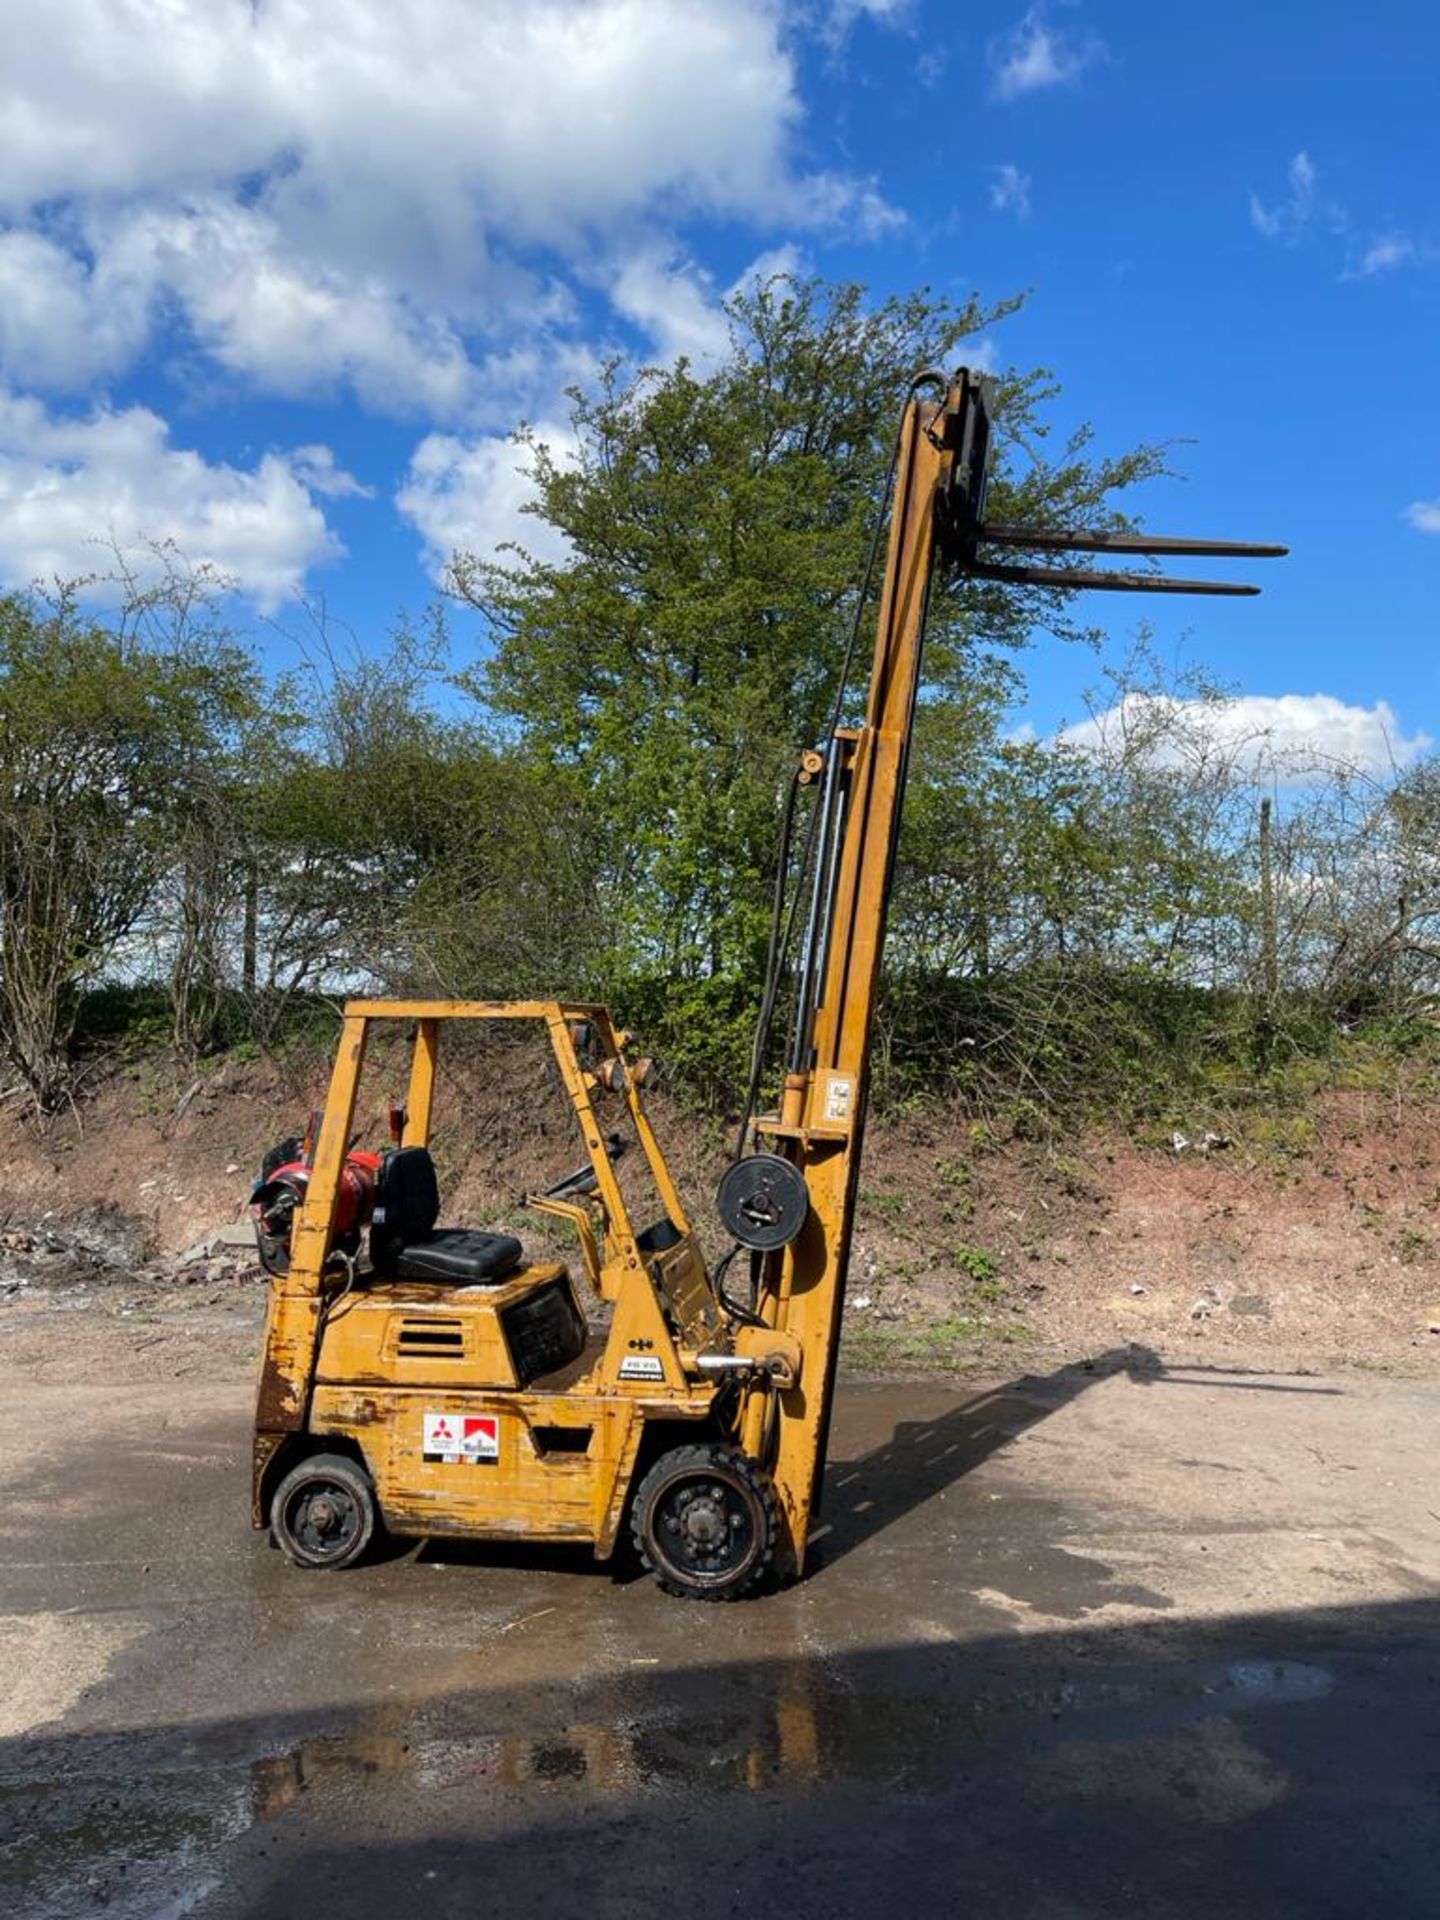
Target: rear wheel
(704, 1522)
(323, 1513)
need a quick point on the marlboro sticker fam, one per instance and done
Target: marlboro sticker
(460, 1439)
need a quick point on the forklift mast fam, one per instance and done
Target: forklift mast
(936, 520)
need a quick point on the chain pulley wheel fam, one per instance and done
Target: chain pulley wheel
(763, 1201)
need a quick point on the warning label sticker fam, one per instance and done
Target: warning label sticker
(460, 1439)
(839, 1098)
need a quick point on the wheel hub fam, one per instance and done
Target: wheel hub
(323, 1516)
(706, 1526)
(326, 1520)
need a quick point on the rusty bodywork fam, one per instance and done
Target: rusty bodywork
(364, 1361)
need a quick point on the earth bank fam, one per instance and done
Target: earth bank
(1296, 1247)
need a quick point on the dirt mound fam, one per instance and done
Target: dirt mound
(1313, 1245)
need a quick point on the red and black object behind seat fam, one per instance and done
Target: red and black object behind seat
(279, 1194)
(406, 1244)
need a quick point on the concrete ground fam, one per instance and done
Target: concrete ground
(1118, 1640)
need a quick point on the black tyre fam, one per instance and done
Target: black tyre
(704, 1521)
(323, 1513)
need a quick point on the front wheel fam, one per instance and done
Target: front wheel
(323, 1513)
(705, 1521)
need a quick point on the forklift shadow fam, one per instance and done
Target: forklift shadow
(862, 1496)
(567, 1557)
(871, 1491)
(522, 1556)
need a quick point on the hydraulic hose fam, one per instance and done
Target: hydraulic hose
(774, 961)
(779, 943)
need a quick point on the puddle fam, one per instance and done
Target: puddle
(136, 1826)
(1279, 1680)
(811, 1730)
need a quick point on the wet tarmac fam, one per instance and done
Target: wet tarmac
(1115, 1640)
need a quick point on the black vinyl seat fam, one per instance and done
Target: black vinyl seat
(405, 1243)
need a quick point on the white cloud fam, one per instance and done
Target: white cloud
(361, 192)
(885, 13)
(470, 496)
(1010, 191)
(1289, 218)
(417, 201)
(315, 468)
(1286, 737)
(1303, 213)
(787, 262)
(70, 486)
(252, 305)
(674, 302)
(1424, 515)
(400, 121)
(1391, 250)
(296, 328)
(1036, 54)
(63, 321)
(677, 304)
(843, 204)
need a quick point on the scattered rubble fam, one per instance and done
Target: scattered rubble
(107, 1246)
(1206, 1142)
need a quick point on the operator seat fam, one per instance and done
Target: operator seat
(406, 1244)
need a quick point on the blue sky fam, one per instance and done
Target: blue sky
(275, 280)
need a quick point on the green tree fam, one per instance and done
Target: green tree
(1358, 889)
(401, 848)
(104, 735)
(690, 644)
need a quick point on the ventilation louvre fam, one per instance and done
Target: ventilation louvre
(436, 1338)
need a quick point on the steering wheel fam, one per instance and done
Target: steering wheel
(585, 1179)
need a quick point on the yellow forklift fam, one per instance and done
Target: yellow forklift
(432, 1381)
